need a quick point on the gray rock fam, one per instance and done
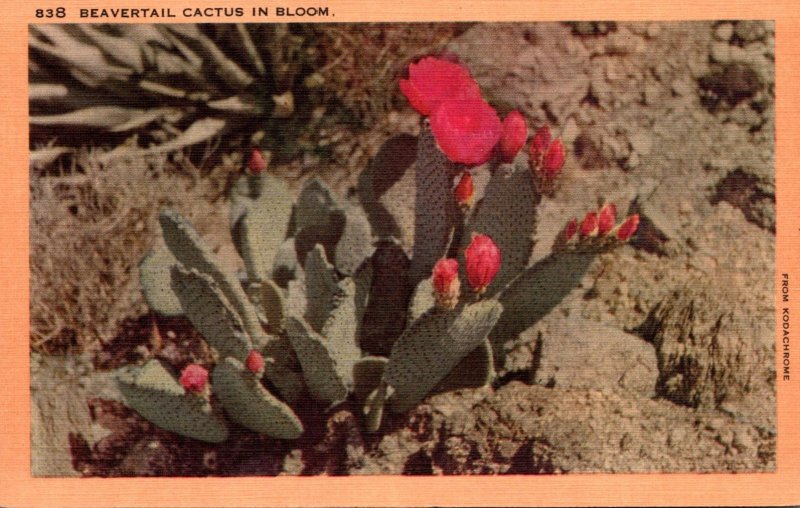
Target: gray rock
(576, 353)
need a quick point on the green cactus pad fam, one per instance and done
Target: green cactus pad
(321, 288)
(373, 408)
(155, 275)
(474, 371)
(284, 369)
(192, 252)
(248, 403)
(340, 331)
(422, 301)
(363, 282)
(533, 294)
(285, 266)
(507, 214)
(269, 300)
(432, 346)
(317, 361)
(386, 190)
(315, 204)
(296, 298)
(264, 226)
(435, 211)
(210, 312)
(355, 245)
(155, 394)
(367, 375)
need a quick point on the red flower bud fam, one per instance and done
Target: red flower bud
(446, 285)
(589, 225)
(483, 260)
(194, 378)
(628, 228)
(607, 218)
(515, 133)
(570, 229)
(466, 130)
(554, 159)
(433, 80)
(541, 140)
(255, 362)
(257, 162)
(465, 190)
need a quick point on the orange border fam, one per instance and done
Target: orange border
(18, 488)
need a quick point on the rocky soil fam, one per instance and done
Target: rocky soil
(660, 360)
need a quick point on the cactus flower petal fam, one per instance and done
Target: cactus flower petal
(465, 190)
(515, 133)
(255, 362)
(554, 159)
(433, 80)
(483, 260)
(570, 229)
(589, 225)
(257, 163)
(466, 131)
(606, 219)
(446, 285)
(628, 228)
(194, 378)
(541, 141)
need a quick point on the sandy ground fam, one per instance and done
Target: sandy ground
(660, 360)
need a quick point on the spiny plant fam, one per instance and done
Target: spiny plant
(171, 85)
(322, 273)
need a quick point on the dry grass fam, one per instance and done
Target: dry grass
(89, 228)
(363, 61)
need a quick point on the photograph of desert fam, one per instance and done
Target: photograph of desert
(402, 248)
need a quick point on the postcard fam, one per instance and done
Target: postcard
(378, 254)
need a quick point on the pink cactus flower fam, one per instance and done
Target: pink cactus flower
(628, 228)
(515, 133)
(194, 378)
(446, 285)
(255, 362)
(434, 80)
(257, 162)
(606, 219)
(483, 260)
(465, 191)
(589, 225)
(466, 131)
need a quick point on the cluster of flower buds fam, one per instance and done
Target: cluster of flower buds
(597, 230)
(194, 379)
(547, 157)
(467, 129)
(482, 260)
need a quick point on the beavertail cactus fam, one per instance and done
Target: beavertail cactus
(416, 287)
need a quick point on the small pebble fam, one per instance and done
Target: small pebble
(723, 32)
(721, 52)
(653, 30)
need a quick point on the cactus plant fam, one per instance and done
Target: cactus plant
(174, 85)
(319, 269)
